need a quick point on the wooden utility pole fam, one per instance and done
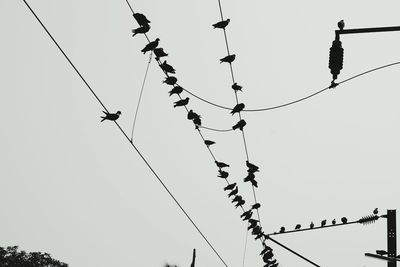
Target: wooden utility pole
(391, 237)
(194, 258)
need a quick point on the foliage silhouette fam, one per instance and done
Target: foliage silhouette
(10, 256)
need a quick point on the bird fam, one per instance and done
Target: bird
(111, 116)
(341, 25)
(192, 115)
(344, 220)
(252, 168)
(298, 226)
(250, 176)
(159, 52)
(170, 80)
(381, 252)
(256, 206)
(240, 125)
(233, 192)
(256, 230)
(282, 230)
(334, 221)
(228, 58)
(253, 223)
(267, 256)
(223, 174)
(236, 87)
(208, 143)
(311, 225)
(197, 121)
(240, 203)
(182, 102)
(237, 198)
(222, 24)
(150, 46)
(229, 187)
(323, 223)
(254, 183)
(141, 29)
(375, 211)
(176, 90)
(266, 248)
(246, 215)
(237, 108)
(167, 68)
(141, 19)
(221, 164)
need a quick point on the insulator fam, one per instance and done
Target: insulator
(336, 58)
(368, 219)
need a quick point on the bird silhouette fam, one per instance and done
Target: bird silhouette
(254, 183)
(344, 220)
(111, 116)
(256, 206)
(266, 248)
(251, 167)
(141, 19)
(170, 80)
(221, 164)
(236, 87)
(250, 176)
(223, 174)
(259, 236)
(376, 211)
(252, 223)
(246, 215)
(341, 25)
(334, 221)
(192, 115)
(197, 121)
(237, 108)
(237, 198)
(267, 256)
(282, 230)
(208, 142)
(182, 102)
(150, 46)
(257, 230)
(298, 226)
(240, 125)
(142, 29)
(167, 68)
(159, 52)
(240, 203)
(229, 187)
(233, 192)
(323, 223)
(222, 24)
(311, 225)
(381, 252)
(176, 90)
(228, 58)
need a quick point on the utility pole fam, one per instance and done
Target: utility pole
(194, 258)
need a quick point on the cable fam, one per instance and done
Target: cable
(140, 96)
(126, 136)
(245, 248)
(216, 130)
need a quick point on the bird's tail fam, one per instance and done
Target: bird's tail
(103, 118)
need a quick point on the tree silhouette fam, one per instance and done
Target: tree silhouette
(11, 257)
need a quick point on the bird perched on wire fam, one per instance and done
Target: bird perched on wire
(208, 143)
(246, 215)
(111, 116)
(141, 29)
(221, 24)
(256, 206)
(267, 256)
(171, 80)
(141, 19)
(221, 164)
(223, 174)
(381, 252)
(311, 225)
(376, 211)
(233, 192)
(344, 220)
(228, 59)
(297, 227)
(251, 167)
(240, 203)
(341, 25)
(196, 118)
(167, 68)
(150, 46)
(229, 187)
(250, 176)
(159, 52)
(323, 223)
(182, 102)
(334, 221)
(282, 230)
(176, 90)
(240, 125)
(237, 198)
(253, 223)
(237, 108)
(236, 87)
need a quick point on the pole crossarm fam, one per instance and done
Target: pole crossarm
(368, 30)
(381, 257)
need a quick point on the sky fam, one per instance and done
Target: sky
(74, 187)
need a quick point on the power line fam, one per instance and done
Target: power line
(126, 136)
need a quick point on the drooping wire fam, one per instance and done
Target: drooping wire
(216, 130)
(140, 96)
(245, 248)
(126, 136)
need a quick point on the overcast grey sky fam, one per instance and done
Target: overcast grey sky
(73, 187)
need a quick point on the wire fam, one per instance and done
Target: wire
(215, 130)
(140, 96)
(245, 248)
(126, 136)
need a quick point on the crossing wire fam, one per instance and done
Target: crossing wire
(126, 136)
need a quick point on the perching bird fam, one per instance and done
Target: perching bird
(228, 59)
(266, 248)
(222, 24)
(253, 223)
(208, 142)
(257, 230)
(254, 183)
(381, 252)
(159, 52)
(236, 87)
(171, 80)
(111, 116)
(240, 125)
(192, 115)
(233, 192)
(298, 226)
(267, 256)
(142, 29)
(141, 19)
(167, 68)
(223, 174)
(237, 198)
(341, 25)
(240, 203)
(311, 225)
(344, 220)
(256, 206)
(182, 102)
(323, 223)
(334, 221)
(282, 230)
(237, 108)
(252, 167)
(221, 164)
(259, 236)
(229, 187)
(250, 176)
(150, 46)
(375, 211)
(176, 90)
(197, 121)
(246, 215)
